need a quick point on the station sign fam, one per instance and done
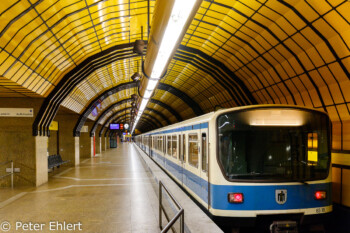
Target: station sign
(16, 112)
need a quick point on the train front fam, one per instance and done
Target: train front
(272, 163)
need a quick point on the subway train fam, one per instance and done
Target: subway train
(250, 164)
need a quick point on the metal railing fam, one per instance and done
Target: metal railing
(10, 174)
(180, 214)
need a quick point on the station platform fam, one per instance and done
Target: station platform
(116, 191)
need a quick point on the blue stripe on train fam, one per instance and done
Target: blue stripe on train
(263, 197)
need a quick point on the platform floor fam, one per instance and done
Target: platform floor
(114, 192)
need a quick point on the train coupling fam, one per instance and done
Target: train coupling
(284, 227)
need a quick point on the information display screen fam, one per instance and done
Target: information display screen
(114, 126)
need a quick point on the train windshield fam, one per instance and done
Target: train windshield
(270, 144)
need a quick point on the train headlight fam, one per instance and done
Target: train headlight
(320, 195)
(235, 197)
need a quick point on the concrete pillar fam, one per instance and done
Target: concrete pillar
(98, 140)
(92, 146)
(41, 170)
(86, 142)
(76, 151)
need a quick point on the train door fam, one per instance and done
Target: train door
(150, 145)
(181, 156)
(204, 163)
(164, 149)
(184, 157)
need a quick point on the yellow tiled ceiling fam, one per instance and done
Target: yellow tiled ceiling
(9, 88)
(101, 80)
(233, 53)
(112, 99)
(109, 114)
(272, 47)
(182, 108)
(41, 41)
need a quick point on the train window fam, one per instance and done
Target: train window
(169, 152)
(160, 142)
(204, 152)
(174, 146)
(264, 144)
(164, 144)
(184, 148)
(312, 146)
(193, 149)
(155, 142)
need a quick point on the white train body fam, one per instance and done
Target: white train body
(212, 182)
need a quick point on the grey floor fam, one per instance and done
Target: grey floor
(114, 192)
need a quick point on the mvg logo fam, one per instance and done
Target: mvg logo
(281, 196)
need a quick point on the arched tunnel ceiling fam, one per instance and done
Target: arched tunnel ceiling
(104, 78)
(234, 53)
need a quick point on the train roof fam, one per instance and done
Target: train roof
(200, 119)
(206, 117)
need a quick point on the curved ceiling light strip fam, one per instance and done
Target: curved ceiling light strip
(83, 117)
(97, 122)
(219, 71)
(179, 94)
(159, 114)
(105, 112)
(167, 107)
(145, 119)
(154, 120)
(195, 107)
(106, 123)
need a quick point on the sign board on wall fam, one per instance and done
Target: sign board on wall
(16, 112)
(54, 126)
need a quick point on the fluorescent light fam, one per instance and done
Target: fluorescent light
(147, 94)
(275, 124)
(179, 15)
(152, 84)
(143, 105)
(182, 9)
